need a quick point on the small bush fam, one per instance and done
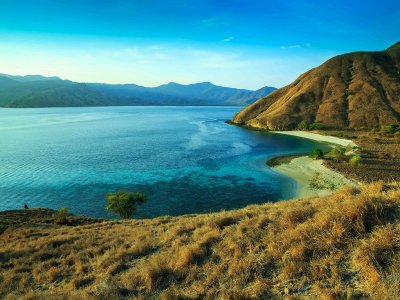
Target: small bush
(316, 126)
(355, 160)
(337, 153)
(124, 203)
(316, 154)
(62, 215)
(303, 125)
(391, 129)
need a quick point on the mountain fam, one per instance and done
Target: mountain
(354, 90)
(28, 78)
(44, 93)
(39, 91)
(196, 94)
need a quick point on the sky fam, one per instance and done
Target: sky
(237, 43)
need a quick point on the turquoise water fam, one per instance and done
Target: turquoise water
(186, 158)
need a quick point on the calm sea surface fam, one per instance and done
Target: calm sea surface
(186, 158)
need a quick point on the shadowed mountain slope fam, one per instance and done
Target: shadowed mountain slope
(39, 91)
(354, 90)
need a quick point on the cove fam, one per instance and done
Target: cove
(186, 158)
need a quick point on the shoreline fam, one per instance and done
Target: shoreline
(318, 137)
(304, 170)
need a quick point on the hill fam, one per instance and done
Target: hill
(55, 93)
(344, 246)
(28, 78)
(39, 91)
(354, 90)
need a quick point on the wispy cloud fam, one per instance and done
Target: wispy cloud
(228, 39)
(291, 47)
(297, 46)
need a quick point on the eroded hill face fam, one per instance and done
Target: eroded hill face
(355, 90)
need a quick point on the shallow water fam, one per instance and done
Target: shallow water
(186, 158)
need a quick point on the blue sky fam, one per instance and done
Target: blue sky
(247, 44)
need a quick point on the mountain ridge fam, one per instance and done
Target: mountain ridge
(28, 78)
(40, 91)
(343, 92)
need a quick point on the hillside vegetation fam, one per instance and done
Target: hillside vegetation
(39, 91)
(354, 90)
(345, 246)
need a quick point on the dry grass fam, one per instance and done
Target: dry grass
(343, 246)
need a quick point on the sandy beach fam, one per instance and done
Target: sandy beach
(318, 137)
(304, 169)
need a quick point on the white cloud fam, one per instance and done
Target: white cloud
(291, 47)
(297, 46)
(228, 39)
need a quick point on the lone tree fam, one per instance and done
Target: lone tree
(124, 203)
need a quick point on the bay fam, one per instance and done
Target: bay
(185, 158)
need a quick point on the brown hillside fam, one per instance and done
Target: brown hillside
(354, 90)
(345, 246)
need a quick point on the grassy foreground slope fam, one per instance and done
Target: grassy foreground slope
(343, 246)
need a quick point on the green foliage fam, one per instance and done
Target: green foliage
(140, 197)
(316, 126)
(317, 154)
(317, 182)
(62, 215)
(355, 160)
(337, 153)
(3, 227)
(303, 125)
(63, 211)
(124, 203)
(348, 93)
(391, 129)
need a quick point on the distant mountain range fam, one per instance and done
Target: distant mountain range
(354, 90)
(40, 91)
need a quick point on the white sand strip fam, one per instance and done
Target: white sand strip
(303, 169)
(318, 137)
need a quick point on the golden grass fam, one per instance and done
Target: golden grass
(345, 246)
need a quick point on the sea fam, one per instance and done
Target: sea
(186, 159)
